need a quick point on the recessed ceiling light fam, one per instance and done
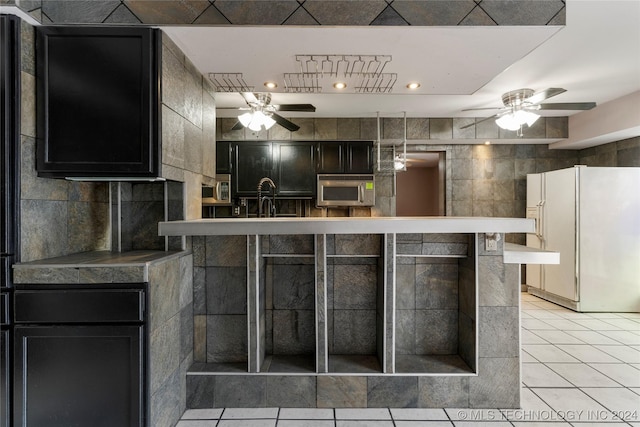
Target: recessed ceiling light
(340, 85)
(487, 143)
(413, 85)
(270, 85)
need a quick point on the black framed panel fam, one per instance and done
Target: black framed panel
(78, 375)
(98, 110)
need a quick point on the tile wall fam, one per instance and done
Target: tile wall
(301, 12)
(432, 291)
(171, 346)
(58, 217)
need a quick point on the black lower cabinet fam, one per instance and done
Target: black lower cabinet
(79, 358)
(78, 376)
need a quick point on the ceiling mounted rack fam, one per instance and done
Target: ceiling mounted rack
(361, 73)
(229, 82)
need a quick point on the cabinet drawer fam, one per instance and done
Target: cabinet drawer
(78, 306)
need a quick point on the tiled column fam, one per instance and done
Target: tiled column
(498, 382)
(389, 350)
(322, 357)
(255, 310)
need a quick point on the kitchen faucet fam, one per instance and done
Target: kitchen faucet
(271, 201)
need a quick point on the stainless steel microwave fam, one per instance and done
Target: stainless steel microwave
(220, 194)
(346, 190)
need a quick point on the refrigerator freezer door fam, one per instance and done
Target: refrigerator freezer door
(559, 232)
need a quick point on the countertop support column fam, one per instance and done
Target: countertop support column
(389, 260)
(255, 309)
(322, 357)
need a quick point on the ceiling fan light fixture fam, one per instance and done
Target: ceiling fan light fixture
(529, 117)
(268, 122)
(508, 122)
(258, 120)
(245, 119)
(515, 119)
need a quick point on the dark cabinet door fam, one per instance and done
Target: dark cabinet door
(253, 160)
(345, 157)
(98, 101)
(359, 157)
(223, 157)
(78, 376)
(295, 163)
(330, 157)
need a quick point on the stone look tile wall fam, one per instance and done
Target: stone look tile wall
(498, 382)
(58, 217)
(302, 12)
(188, 126)
(625, 153)
(427, 294)
(290, 296)
(353, 295)
(171, 334)
(497, 323)
(467, 317)
(220, 295)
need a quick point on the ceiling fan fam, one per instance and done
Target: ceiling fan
(261, 112)
(520, 106)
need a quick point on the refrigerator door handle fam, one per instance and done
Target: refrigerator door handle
(539, 221)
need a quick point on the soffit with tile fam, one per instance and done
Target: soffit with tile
(298, 12)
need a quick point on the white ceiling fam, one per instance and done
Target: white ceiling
(596, 57)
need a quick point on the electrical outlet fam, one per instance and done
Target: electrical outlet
(491, 242)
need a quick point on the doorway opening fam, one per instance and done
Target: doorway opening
(420, 190)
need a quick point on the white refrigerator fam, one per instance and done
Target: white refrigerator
(591, 216)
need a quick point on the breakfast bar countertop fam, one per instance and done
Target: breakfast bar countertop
(348, 225)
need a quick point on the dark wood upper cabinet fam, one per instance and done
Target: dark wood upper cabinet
(294, 174)
(330, 157)
(98, 112)
(223, 157)
(359, 157)
(253, 160)
(344, 157)
(292, 165)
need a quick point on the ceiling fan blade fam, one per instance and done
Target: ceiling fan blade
(284, 122)
(487, 108)
(542, 95)
(250, 97)
(568, 106)
(306, 108)
(478, 121)
(237, 126)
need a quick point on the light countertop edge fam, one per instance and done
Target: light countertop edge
(519, 254)
(350, 225)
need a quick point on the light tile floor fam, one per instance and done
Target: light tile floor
(579, 369)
